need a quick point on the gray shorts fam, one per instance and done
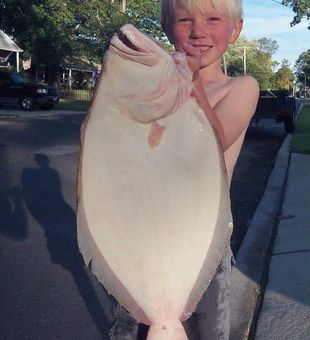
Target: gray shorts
(211, 320)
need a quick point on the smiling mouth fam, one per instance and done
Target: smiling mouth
(204, 48)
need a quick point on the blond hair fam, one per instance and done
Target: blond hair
(233, 8)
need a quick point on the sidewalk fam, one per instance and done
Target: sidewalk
(35, 114)
(285, 312)
(270, 288)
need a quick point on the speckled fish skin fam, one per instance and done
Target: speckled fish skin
(153, 200)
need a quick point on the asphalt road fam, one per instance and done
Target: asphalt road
(45, 290)
(251, 174)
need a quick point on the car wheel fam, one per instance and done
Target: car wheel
(27, 103)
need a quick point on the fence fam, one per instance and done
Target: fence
(76, 94)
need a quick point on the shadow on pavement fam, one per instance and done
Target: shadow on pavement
(43, 197)
(13, 221)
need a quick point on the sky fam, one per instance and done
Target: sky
(269, 19)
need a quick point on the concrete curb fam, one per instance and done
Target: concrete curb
(247, 274)
(36, 114)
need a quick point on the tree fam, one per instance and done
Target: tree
(302, 68)
(98, 20)
(146, 15)
(235, 56)
(267, 45)
(44, 29)
(301, 9)
(259, 61)
(53, 31)
(284, 77)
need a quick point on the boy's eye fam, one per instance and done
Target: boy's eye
(213, 19)
(184, 19)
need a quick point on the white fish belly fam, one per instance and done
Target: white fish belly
(152, 212)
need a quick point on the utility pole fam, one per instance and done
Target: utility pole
(305, 84)
(225, 64)
(244, 58)
(123, 5)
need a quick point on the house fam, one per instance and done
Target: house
(79, 73)
(7, 47)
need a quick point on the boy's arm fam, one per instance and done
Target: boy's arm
(232, 114)
(237, 107)
(193, 60)
(203, 101)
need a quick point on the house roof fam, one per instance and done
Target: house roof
(7, 44)
(80, 64)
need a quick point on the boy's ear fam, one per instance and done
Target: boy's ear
(236, 31)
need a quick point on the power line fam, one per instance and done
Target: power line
(281, 3)
(278, 2)
(119, 11)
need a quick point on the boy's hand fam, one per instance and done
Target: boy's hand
(193, 56)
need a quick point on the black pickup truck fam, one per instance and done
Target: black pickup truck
(277, 104)
(17, 90)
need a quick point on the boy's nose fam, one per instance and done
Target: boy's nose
(198, 30)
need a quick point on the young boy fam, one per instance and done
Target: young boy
(203, 29)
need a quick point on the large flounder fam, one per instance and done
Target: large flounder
(154, 215)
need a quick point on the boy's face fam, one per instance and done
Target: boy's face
(210, 32)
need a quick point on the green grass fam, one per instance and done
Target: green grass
(301, 138)
(72, 105)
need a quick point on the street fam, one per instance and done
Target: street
(45, 290)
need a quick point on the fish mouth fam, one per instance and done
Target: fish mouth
(130, 43)
(127, 42)
(124, 42)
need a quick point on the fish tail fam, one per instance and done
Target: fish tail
(169, 330)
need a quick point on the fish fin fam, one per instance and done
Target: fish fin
(101, 269)
(217, 250)
(155, 134)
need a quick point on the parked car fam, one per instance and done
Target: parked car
(16, 89)
(279, 105)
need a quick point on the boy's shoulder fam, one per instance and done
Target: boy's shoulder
(244, 90)
(247, 83)
(232, 90)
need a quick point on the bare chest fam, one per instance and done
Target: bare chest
(215, 92)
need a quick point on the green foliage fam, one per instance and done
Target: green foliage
(38, 30)
(146, 15)
(259, 61)
(301, 9)
(284, 77)
(301, 138)
(53, 31)
(302, 68)
(72, 105)
(234, 56)
(267, 45)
